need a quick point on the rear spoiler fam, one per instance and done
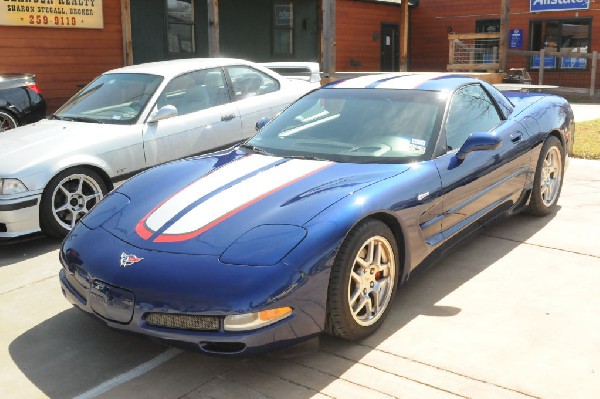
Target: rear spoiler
(307, 71)
(523, 87)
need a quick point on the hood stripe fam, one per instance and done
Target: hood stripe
(237, 197)
(406, 81)
(178, 202)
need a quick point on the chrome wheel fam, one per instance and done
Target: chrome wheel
(73, 197)
(371, 281)
(551, 176)
(6, 121)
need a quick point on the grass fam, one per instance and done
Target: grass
(587, 140)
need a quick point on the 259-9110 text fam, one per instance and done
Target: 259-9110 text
(45, 20)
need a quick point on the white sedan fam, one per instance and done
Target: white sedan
(54, 171)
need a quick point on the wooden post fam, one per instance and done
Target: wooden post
(213, 28)
(328, 38)
(404, 29)
(542, 66)
(594, 69)
(504, 29)
(126, 26)
(451, 45)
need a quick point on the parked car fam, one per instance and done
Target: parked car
(20, 101)
(53, 172)
(314, 223)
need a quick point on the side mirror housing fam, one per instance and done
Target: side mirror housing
(480, 141)
(262, 122)
(166, 112)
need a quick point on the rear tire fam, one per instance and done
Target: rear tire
(363, 281)
(68, 197)
(548, 179)
(7, 121)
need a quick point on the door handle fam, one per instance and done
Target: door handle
(516, 137)
(227, 118)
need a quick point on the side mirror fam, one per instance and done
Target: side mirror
(262, 122)
(478, 142)
(166, 112)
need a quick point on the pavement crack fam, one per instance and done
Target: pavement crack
(541, 246)
(449, 371)
(292, 381)
(395, 374)
(27, 285)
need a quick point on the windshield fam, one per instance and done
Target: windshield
(356, 125)
(116, 98)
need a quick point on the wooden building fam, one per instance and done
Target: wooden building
(371, 35)
(66, 46)
(560, 29)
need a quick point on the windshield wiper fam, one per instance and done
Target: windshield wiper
(306, 157)
(85, 119)
(60, 118)
(255, 149)
(76, 118)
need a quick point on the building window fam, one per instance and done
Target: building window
(283, 28)
(564, 36)
(180, 27)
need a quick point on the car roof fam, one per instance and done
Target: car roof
(177, 67)
(406, 81)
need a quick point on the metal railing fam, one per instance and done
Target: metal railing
(473, 52)
(561, 68)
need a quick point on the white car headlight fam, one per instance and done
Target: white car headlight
(12, 186)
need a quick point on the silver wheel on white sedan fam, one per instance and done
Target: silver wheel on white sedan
(68, 197)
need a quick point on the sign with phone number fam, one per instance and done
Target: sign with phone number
(52, 13)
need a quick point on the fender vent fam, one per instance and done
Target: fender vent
(183, 321)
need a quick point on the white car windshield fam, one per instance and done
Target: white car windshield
(116, 98)
(356, 125)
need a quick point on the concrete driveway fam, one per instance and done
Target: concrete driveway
(586, 112)
(511, 314)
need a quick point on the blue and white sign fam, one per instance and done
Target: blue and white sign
(516, 38)
(573, 63)
(549, 61)
(558, 5)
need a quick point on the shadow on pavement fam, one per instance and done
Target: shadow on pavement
(18, 249)
(71, 353)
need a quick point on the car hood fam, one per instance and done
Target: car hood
(30, 145)
(202, 205)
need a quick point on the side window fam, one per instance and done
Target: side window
(471, 110)
(248, 82)
(195, 91)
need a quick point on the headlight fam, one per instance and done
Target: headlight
(264, 245)
(253, 321)
(12, 186)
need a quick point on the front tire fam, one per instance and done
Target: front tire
(363, 281)
(7, 121)
(68, 197)
(548, 179)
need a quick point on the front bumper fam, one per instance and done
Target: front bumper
(19, 216)
(183, 285)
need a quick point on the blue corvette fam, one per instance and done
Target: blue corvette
(313, 224)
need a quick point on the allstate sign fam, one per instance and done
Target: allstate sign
(559, 5)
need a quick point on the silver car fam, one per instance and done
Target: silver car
(54, 171)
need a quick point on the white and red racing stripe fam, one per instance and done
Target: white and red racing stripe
(175, 204)
(226, 203)
(405, 81)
